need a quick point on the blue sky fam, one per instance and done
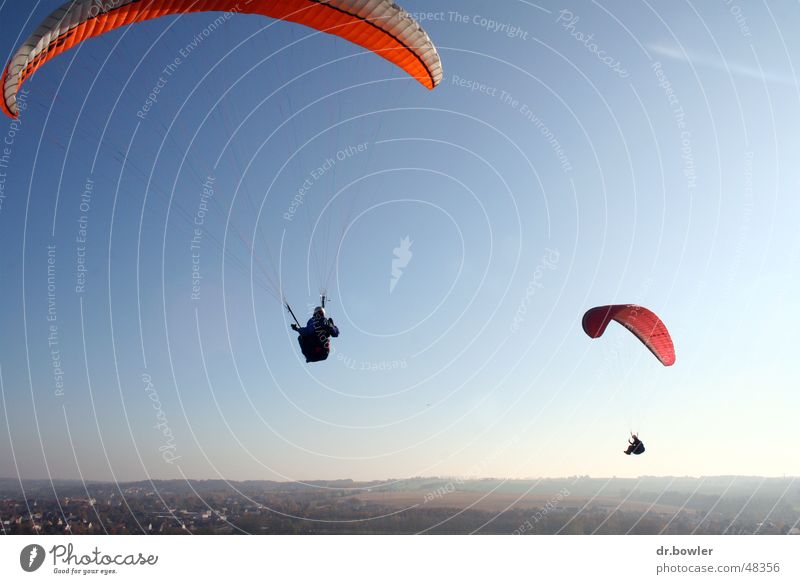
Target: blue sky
(653, 163)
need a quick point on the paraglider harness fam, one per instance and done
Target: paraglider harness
(315, 347)
(635, 446)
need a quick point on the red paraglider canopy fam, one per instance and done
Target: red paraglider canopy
(642, 322)
(380, 26)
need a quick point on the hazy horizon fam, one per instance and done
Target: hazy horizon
(385, 480)
(576, 505)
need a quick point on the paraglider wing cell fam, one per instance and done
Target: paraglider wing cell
(642, 322)
(380, 26)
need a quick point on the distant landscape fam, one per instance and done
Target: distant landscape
(573, 505)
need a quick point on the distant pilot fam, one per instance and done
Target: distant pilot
(635, 446)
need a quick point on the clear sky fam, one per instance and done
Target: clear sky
(574, 155)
